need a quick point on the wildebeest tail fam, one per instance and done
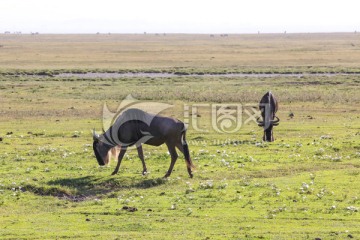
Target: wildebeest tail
(186, 150)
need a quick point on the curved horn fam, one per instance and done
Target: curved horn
(95, 136)
(260, 123)
(276, 122)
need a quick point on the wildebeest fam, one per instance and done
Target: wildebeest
(268, 106)
(136, 127)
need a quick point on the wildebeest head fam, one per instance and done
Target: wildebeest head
(101, 149)
(268, 107)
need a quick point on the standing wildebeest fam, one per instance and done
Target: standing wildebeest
(135, 127)
(268, 107)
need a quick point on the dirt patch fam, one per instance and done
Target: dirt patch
(87, 188)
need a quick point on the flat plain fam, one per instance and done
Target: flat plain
(302, 186)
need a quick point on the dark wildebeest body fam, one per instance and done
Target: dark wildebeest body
(136, 127)
(268, 106)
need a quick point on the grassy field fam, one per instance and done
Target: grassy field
(302, 186)
(193, 52)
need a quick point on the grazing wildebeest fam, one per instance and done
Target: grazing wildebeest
(135, 127)
(268, 106)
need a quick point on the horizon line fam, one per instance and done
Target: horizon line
(170, 33)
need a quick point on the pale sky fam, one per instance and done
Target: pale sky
(179, 16)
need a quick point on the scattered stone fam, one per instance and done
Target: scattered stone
(350, 236)
(189, 191)
(88, 220)
(1, 139)
(130, 209)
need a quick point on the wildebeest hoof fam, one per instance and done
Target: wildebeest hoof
(114, 173)
(144, 173)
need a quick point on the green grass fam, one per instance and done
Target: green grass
(302, 186)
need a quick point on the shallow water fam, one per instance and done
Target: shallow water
(166, 75)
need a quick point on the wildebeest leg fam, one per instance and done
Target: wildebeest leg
(121, 155)
(141, 156)
(174, 156)
(181, 148)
